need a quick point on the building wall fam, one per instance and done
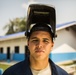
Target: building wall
(65, 36)
(21, 42)
(61, 57)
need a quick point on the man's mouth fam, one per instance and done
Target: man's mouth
(39, 51)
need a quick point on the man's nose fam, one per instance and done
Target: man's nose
(40, 44)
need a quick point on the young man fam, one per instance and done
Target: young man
(40, 44)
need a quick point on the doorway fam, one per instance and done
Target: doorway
(8, 53)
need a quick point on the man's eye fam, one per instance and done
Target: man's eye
(34, 40)
(46, 41)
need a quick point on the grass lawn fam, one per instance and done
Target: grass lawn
(4, 66)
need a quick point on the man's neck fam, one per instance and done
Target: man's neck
(38, 64)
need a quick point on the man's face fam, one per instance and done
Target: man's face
(40, 45)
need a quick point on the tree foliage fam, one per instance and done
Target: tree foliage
(15, 25)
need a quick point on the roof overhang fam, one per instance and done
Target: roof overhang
(65, 25)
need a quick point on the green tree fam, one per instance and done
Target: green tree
(15, 25)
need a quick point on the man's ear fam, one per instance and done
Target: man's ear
(28, 43)
(52, 44)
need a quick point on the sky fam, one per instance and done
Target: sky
(10, 9)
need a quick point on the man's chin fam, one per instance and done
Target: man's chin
(39, 57)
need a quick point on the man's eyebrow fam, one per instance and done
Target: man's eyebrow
(46, 39)
(34, 38)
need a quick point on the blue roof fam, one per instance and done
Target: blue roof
(64, 24)
(23, 33)
(12, 35)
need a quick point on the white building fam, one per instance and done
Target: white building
(13, 47)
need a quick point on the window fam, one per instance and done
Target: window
(1, 50)
(16, 49)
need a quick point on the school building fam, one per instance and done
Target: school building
(13, 47)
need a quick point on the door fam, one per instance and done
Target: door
(8, 52)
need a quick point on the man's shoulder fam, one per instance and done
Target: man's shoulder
(61, 71)
(17, 68)
(58, 70)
